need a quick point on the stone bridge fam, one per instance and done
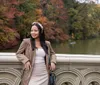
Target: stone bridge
(72, 69)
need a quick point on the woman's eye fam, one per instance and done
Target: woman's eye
(35, 30)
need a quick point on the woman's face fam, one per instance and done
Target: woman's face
(34, 32)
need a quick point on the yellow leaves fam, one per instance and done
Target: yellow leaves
(2, 9)
(40, 16)
(6, 34)
(39, 11)
(54, 1)
(1, 22)
(42, 19)
(98, 5)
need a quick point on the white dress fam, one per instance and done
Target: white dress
(39, 74)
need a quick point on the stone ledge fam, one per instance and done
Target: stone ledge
(73, 58)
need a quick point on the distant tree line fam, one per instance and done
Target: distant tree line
(83, 19)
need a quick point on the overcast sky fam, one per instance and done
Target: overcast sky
(97, 1)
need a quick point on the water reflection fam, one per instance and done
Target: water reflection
(91, 46)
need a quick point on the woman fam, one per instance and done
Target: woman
(36, 53)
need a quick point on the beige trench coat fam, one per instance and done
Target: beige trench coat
(25, 54)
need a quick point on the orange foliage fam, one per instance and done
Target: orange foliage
(15, 2)
(60, 9)
(42, 19)
(12, 13)
(39, 12)
(52, 31)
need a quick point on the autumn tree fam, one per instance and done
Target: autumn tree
(8, 33)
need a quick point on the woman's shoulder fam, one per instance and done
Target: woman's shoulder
(26, 40)
(48, 42)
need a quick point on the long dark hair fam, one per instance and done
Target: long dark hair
(42, 38)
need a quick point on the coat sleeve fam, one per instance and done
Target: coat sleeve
(52, 54)
(20, 52)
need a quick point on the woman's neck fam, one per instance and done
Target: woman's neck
(37, 43)
(37, 40)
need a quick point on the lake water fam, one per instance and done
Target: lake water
(91, 46)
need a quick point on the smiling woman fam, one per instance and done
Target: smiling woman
(34, 53)
(34, 32)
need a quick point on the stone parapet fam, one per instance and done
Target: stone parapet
(72, 69)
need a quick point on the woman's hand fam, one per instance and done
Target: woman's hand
(27, 65)
(52, 67)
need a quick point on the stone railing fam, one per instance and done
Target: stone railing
(72, 69)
